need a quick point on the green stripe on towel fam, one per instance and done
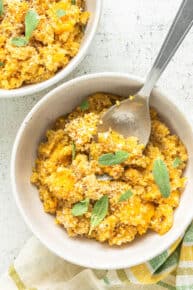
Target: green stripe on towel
(166, 286)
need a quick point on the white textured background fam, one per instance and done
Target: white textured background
(128, 38)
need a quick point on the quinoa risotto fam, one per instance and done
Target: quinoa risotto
(143, 188)
(38, 38)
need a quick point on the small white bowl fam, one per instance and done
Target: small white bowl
(85, 252)
(94, 7)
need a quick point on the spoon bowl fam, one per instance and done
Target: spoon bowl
(130, 118)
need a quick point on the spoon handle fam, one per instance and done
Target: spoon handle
(180, 27)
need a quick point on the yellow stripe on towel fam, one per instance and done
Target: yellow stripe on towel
(122, 276)
(186, 253)
(17, 280)
(144, 276)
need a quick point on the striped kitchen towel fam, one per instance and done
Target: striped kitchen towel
(36, 268)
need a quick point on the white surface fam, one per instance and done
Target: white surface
(95, 9)
(128, 39)
(85, 252)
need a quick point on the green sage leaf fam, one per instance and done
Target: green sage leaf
(73, 150)
(80, 208)
(126, 195)
(31, 23)
(1, 8)
(60, 13)
(177, 162)
(85, 105)
(161, 177)
(83, 28)
(113, 158)
(99, 212)
(1, 63)
(73, 2)
(19, 41)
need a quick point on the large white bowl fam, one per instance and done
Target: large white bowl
(94, 7)
(85, 252)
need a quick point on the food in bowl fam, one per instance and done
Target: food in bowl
(104, 186)
(38, 38)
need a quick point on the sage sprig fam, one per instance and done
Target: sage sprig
(1, 63)
(99, 212)
(31, 23)
(161, 177)
(126, 195)
(73, 2)
(177, 161)
(80, 208)
(113, 158)
(60, 13)
(19, 41)
(85, 105)
(1, 8)
(73, 151)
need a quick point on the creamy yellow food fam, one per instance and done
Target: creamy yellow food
(67, 170)
(52, 44)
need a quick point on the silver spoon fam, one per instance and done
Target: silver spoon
(132, 116)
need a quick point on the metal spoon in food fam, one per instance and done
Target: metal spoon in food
(132, 117)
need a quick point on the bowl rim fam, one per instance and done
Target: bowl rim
(178, 234)
(75, 61)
